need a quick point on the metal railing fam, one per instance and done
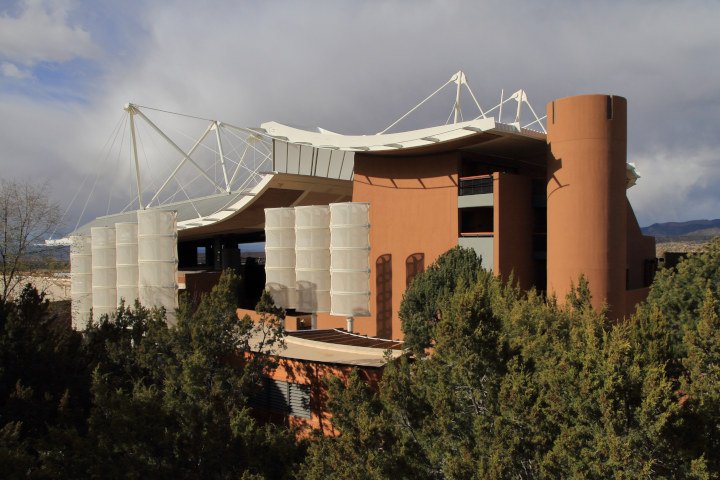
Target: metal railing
(475, 185)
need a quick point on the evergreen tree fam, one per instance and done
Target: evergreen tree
(419, 310)
(132, 398)
(516, 386)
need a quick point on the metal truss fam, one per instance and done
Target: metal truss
(238, 173)
(460, 80)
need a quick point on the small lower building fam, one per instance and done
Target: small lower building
(295, 392)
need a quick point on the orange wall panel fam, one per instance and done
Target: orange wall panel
(513, 224)
(413, 209)
(314, 374)
(586, 203)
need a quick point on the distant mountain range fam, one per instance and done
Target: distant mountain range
(699, 229)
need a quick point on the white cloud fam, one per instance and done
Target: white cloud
(11, 70)
(354, 67)
(677, 185)
(42, 33)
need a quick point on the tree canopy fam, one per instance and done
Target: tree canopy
(520, 387)
(132, 398)
(499, 383)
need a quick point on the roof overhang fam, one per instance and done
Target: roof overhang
(443, 137)
(240, 212)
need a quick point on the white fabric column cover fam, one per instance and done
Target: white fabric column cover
(280, 256)
(350, 259)
(312, 258)
(104, 276)
(158, 261)
(80, 280)
(126, 262)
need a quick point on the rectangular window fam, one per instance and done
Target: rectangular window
(478, 220)
(201, 256)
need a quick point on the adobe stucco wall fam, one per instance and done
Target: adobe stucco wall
(413, 209)
(586, 203)
(313, 374)
(513, 225)
(639, 249)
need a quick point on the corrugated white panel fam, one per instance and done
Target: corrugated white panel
(322, 162)
(306, 159)
(157, 260)
(80, 280)
(126, 262)
(336, 161)
(346, 172)
(350, 259)
(312, 258)
(280, 156)
(104, 276)
(280, 256)
(293, 158)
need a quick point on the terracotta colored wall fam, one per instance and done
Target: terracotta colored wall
(586, 203)
(513, 225)
(313, 374)
(639, 249)
(413, 208)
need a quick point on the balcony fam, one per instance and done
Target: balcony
(475, 192)
(478, 185)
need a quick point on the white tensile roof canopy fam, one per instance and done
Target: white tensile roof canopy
(279, 165)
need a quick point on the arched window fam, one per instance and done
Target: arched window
(414, 264)
(383, 295)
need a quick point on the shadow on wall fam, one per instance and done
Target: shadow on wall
(383, 292)
(306, 296)
(554, 164)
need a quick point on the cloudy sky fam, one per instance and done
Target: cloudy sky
(68, 67)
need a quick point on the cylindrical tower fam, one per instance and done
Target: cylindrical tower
(81, 280)
(586, 203)
(158, 261)
(312, 258)
(349, 260)
(126, 262)
(104, 276)
(280, 256)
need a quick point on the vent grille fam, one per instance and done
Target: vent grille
(282, 397)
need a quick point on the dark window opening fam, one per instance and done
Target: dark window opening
(627, 279)
(649, 269)
(414, 265)
(475, 185)
(478, 220)
(540, 220)
(539, 245)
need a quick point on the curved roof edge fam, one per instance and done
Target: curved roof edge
(218, 209)
(381, 142)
